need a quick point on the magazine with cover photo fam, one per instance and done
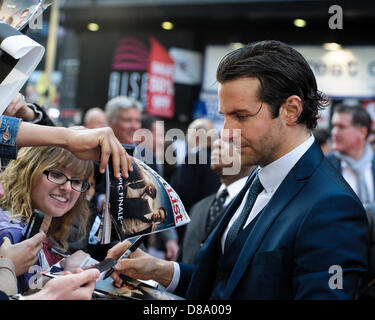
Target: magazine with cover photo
(144, 203)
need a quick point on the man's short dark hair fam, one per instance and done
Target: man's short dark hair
(148, 121)
(282, 72)
(360, 116)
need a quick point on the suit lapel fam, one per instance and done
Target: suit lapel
(212, 244)
(280, 199)
(233, 205)
(288, 189)
(201, 283)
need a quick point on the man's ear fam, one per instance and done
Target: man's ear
(363, 131)
(291, 109)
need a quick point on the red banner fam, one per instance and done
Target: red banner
(160, 88)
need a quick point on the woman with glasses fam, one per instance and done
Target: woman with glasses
(54, 181)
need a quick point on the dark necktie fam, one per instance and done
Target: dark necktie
(216, 208)
(255, 188)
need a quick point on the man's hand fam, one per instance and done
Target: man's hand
(23, 254)
(77, 286)
(95, 144)
(140, 265)
(18, 108)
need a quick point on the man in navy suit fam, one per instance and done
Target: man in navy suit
(296, 230)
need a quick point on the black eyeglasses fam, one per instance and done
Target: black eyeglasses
(60, 178)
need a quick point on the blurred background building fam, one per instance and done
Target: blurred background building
(107, 48)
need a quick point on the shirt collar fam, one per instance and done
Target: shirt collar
(344, 165)
(234, 188)
(274, 173)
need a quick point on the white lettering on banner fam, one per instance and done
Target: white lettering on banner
(135, 78)
(114, 84)
(132, 84)
(163, 69)
(349, 68)
(348, 72)
(124, 83)
(161, 102)
(161, 85)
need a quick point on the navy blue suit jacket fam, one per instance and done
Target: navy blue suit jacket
(313, 221)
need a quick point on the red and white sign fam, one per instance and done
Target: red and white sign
(160, 89)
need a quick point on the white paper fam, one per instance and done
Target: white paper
(29, 54)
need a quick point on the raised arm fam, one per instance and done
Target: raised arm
(86, 144)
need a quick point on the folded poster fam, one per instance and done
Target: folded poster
(19, 54)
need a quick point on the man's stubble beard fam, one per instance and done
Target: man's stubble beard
(266, 148)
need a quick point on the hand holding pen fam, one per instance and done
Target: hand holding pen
(126, 254)
(141, 266)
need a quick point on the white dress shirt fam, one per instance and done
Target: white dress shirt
(233, 189)
(271, 176)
